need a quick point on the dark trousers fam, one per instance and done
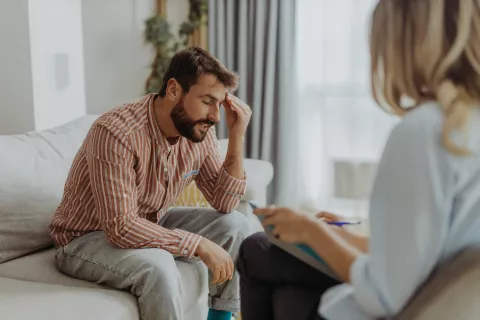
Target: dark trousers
(276, 285)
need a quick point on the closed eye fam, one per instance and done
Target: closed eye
(207, 102)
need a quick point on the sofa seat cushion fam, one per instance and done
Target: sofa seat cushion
(40, 267)
(22, 300)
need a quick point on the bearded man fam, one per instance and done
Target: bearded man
(115, 224)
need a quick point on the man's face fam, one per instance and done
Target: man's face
(199, 108)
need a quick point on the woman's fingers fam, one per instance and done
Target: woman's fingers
(264, 211)
(328, 216)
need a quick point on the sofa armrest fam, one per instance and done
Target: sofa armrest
(451, 292)
(259, 175)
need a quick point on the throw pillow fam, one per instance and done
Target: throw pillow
(191, 196)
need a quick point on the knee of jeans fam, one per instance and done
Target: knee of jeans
(235, 224)
(161, 275)
(252, 247)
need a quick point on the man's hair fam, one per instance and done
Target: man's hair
(189, 64)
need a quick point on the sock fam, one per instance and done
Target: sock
(219, 315)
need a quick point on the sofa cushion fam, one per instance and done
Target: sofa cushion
(21, 300)
(40, 267)
(191, 196)
(33, 170)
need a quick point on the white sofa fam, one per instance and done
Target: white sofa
(33, 169)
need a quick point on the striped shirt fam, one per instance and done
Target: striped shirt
(126, 175)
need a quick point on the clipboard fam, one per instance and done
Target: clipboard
(300, 251)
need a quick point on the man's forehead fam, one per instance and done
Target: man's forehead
(208, 84)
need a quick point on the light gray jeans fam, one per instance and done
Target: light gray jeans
(151, 274)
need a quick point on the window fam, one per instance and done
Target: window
(343, 131)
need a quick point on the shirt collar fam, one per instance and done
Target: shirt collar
(160, 139)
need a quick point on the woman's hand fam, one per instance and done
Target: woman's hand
(329, 217)
(296, 227)
(355, 239)
(289, 225)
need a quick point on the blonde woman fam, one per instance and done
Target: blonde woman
(425, 206)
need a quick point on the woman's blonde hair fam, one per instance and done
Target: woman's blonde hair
(428, 50)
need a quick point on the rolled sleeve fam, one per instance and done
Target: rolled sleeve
(221, 190)
(189, 244)
(231, 185)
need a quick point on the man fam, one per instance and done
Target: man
(113, 225)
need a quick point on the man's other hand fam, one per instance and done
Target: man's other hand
(216, 259)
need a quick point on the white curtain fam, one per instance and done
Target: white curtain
(343, 131)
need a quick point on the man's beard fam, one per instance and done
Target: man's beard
(186, 126)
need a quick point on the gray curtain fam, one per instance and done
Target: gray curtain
(255, 38)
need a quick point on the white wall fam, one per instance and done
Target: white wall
(57, 61)
(177, 12)
(16, 96)
(41, 60)
(41, 64)
(117, 61)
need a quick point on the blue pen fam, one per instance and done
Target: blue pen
(343, 223)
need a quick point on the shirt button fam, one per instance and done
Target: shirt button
(185, 252)
(124, 195)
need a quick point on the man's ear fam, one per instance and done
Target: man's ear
(174, 90)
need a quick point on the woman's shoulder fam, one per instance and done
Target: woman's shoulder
(427, 117)
(426, 122)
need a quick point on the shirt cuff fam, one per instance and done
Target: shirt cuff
(188, 245)
(365, 291)
(231, 185)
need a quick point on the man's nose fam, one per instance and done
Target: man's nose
(215, 113)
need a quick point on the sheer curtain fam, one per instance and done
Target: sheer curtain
(342, 130)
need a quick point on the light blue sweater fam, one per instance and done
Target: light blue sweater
(424, 208)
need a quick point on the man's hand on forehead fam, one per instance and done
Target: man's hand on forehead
(237, 114)
(226, 98)
(231, 98)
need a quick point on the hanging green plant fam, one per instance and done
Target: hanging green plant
(158, 34)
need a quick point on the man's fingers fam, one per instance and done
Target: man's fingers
(223, 275)
(227, 105)
(232, 269)
(216, 275)
(240, 112)
(242, 105)
(236, 100)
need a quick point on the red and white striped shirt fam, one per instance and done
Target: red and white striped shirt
(126, 175)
